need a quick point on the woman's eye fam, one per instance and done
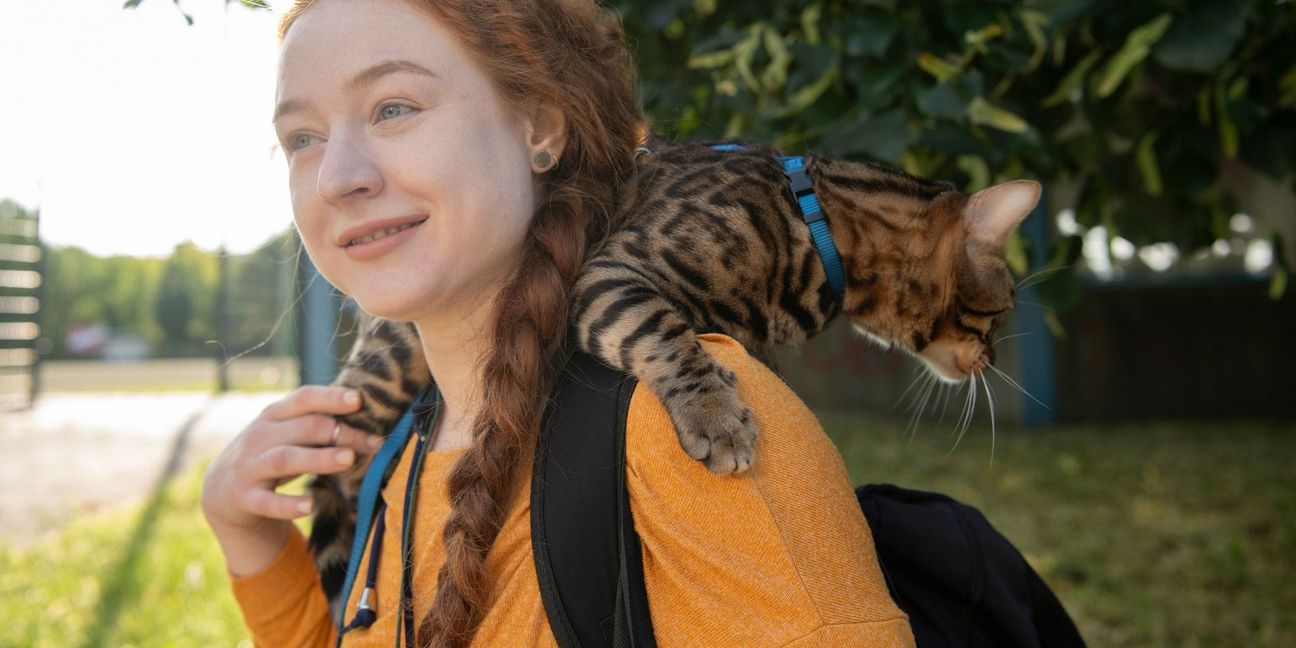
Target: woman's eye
(299, 141)
(389, 111)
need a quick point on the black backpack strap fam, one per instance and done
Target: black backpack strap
(587, 556)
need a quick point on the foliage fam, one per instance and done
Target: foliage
(172, 302)
(185, 303)
(117, 291)
(1135, 105)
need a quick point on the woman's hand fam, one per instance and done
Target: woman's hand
(290, 438)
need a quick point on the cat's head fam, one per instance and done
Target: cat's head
(951, 302)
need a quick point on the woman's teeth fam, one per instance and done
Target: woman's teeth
(381, 233)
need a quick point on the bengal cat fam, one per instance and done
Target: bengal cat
(713, 239)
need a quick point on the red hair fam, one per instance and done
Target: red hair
(570, 54)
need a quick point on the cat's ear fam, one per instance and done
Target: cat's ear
(994, 212)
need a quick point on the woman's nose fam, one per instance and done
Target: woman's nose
(347, 170)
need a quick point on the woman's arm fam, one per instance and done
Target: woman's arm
(274, 578)
(778, 556)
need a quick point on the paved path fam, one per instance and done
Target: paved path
(77, 452)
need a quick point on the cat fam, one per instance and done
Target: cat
(712, 238)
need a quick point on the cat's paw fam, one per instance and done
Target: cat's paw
(716, 428)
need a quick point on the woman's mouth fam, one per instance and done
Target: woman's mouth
(378, 243)
(381, 234)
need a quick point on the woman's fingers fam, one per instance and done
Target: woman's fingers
(317, 430)
(282, 461)
(313, 399)
(267, 503)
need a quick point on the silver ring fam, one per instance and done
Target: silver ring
(337, 431)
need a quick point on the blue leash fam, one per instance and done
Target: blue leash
(368, 498)
(804, 193)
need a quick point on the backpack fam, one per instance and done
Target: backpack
(960, 582)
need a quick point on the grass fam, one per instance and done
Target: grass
(1152, 535)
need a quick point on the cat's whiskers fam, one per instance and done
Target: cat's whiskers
(990, 401)
(922, 373)
(1018, 387)
(1027, 282)
(969, 408)
(1031, 303)
(920, 404)
(1009, 337)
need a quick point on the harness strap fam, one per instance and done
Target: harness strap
(808, 203)
(368, 497)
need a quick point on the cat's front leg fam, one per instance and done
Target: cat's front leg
(627, 325)
(713, 424)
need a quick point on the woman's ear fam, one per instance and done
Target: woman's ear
(546, 129)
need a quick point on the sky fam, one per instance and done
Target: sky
(132, 131)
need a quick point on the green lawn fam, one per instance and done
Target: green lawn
(1152, 535)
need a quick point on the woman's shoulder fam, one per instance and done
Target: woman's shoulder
(783, 548)
(788, 430)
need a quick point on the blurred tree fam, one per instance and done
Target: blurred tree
(260, 297)
(1135, 107)
(185, 300)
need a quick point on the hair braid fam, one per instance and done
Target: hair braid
(528, 331)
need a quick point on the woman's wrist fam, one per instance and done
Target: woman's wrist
(249, 550)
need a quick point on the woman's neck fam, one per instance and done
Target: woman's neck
(454, 347)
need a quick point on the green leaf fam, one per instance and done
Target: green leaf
(1288, 85)
(801, 99)
(1035, 22)
(711, 59)
(978, 172)
(1203, 38)
(870, 35)
(1073, 81)
(1145, 156)
(1136, 48)
(1228, 135)
(1282, 267)
(775, 74)
(744, 52)
(810, 23)
(884, 137)
(984, 113)
(942, 101)
(1278, 284)
(1015, 254)
(938, 67)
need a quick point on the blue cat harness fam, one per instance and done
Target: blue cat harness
(808, 202)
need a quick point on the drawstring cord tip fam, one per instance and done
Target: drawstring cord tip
(365, 615)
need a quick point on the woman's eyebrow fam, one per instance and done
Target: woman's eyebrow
(361, 80)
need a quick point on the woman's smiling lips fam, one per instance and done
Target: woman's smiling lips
(372, 240)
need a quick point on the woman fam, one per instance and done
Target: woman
(482, 144)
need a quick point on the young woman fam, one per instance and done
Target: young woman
(485, 143)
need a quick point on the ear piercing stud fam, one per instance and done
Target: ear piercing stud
(544, 161)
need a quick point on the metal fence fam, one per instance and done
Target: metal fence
(20, 302)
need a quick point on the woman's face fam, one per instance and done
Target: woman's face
(387, 123)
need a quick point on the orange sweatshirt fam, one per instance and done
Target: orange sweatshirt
(778, 556)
